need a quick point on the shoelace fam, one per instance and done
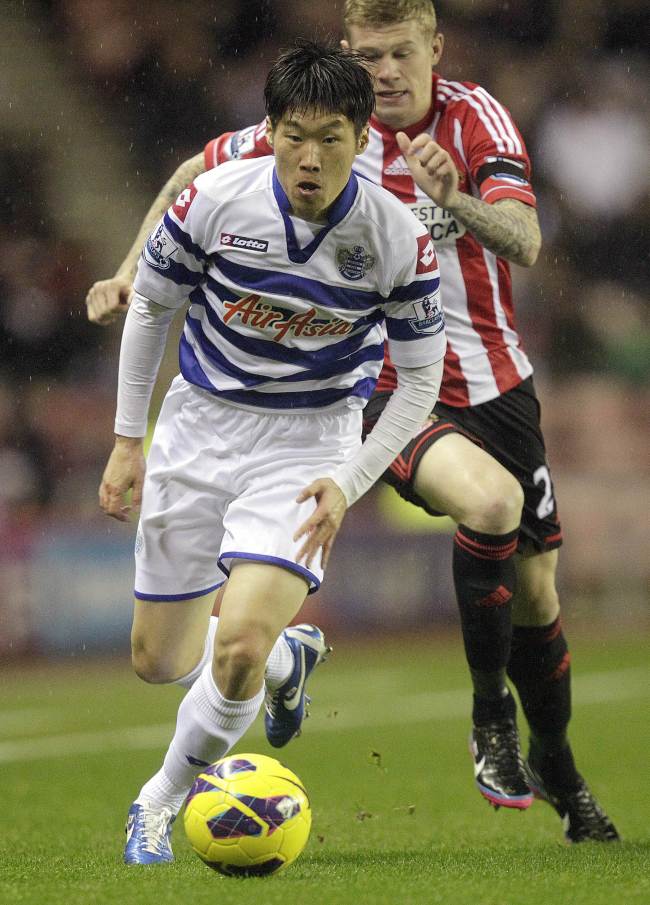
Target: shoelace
(156, 824)
(587, 807)
(271, 703)
(504, 747)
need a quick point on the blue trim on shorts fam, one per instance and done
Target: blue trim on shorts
(170, 597)
(314, 583)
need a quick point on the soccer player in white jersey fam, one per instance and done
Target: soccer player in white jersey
(293, 268)
(451, 153)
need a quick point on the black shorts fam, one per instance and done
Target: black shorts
(508, 428)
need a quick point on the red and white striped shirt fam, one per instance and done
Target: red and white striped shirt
(484, 356)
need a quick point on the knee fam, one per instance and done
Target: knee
(497, 509)
(154, 666)
(238, 660)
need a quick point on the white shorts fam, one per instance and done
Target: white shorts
(221, 485)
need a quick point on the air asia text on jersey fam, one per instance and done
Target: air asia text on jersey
(258, 314)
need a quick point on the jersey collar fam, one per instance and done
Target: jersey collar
(338, 210)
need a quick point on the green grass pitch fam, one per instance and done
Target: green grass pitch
(397, 819)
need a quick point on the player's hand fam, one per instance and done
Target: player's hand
(323, 524)
(431, 166)
(124, 471)
(107, 299)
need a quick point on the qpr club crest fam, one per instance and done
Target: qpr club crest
(428, 316)
(354, 263)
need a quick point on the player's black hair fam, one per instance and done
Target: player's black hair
(319, 77)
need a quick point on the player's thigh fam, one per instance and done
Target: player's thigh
(509, 429)
(259, 601)
(535, 601)
(457, 477)
(261, 523)
(168, 637)
(186, 492)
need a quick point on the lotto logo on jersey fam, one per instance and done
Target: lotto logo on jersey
(244, 242)
(428, 318)
(183, 202)
(427, 260)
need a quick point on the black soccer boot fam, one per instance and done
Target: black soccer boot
(582, 817)
(498, 767)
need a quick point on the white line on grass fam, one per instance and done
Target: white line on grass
(16, 722)
(595, 688)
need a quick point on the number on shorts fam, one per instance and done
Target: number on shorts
(547, 503)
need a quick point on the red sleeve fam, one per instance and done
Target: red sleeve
(494, 150)
(242, 145)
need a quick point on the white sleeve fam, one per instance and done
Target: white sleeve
(407, 409)
(143, 343)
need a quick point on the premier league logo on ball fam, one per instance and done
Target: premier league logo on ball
(354, 263)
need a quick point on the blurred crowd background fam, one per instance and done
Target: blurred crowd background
(102, 99)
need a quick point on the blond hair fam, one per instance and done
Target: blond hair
(389, 12)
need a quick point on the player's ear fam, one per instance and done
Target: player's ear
(362, 140)
(437, 46)
(269, 132)
(344, 44)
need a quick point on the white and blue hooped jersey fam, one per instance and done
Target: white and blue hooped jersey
(280, 326)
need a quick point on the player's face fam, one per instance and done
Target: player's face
(314, 154)
(401, 58)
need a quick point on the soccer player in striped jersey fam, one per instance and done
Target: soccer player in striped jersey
(453, 155)
(294, 268)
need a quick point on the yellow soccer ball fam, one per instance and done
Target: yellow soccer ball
(247, 815)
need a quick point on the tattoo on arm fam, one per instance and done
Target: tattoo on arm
(186, 173)
(508, 228)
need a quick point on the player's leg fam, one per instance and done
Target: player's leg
(259, 601)
(457, 477)
(540, 667)
(539, 662)
(157, 659)
(223, 701)
(168, 638)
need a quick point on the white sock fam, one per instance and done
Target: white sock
(207, 727)
(208, 650)
(279, 664)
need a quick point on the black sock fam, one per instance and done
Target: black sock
(484, 578)
(540, 670)
(556, 766)
(493, 710)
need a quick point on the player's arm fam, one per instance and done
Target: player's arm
(509, 228)
(107, 299)
(143, 344)
(171, 266)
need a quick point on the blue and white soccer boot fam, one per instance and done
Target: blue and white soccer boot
(286, 706)
(148, 832)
